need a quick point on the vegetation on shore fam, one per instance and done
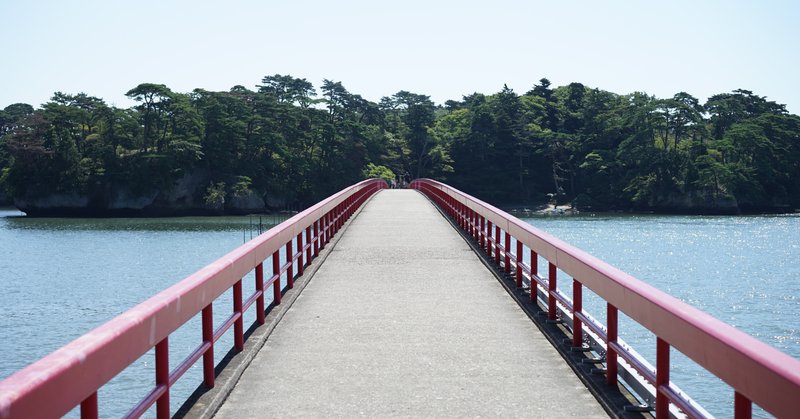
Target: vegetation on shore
(285, 144)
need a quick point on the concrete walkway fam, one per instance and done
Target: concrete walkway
(402, 319)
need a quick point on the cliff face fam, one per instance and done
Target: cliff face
(184, 197)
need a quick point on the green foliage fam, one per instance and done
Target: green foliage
(290, 141)
(382, 172)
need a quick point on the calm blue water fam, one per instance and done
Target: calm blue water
(743, 270)
(62, 277)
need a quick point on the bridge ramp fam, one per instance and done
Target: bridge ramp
(403, 319)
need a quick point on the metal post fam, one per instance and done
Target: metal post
(507, 258)
(276, 271)
(260, 298)
(551, 289)
(208, 336)
(577, 307)
(488, 237)
(611, 337)
(482, 235)
(742, 406)
(162, 378)
(238, 325)
(497, 245)
(519, 264)
(300, 254)
(316, 238)
(534, 272)
(308, 243)
(662, 378)
(89, 407)
(290, 262)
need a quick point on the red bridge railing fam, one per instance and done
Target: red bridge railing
(71, 375)
(757, 372)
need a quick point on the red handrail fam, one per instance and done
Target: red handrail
(71, 375)
(757, 372)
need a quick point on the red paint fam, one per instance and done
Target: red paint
(577, 307)
(662, 378)
(208, 338)
(742, 407)
(300, 265)
(497, 245)
(552, 283)
(238, 325)
(260, 291)
(611, 338)
(534, 273)
(290, 268)
(519, 264)
(89, 407)
(162, 378)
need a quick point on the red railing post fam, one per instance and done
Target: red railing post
(316, 238)
(300, 254)
(482, 235)
(89, 407)
(308, 243)
(551, 289)
(276, 271)
(260, 288)
(489, 238)
(611, 337)
(162, 378)
(497, 245)
(519, 264)
(290, 267)
(238, 325)
(507, 257)
(577, 307)
(662, 378)
(742, 406)
(534, 272)
(208, 355)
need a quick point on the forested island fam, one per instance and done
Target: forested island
(286, 145)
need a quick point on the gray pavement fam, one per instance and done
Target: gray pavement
(403, 319)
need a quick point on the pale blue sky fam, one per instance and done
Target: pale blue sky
(444, 49)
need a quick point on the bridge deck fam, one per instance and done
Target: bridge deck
(402, 319)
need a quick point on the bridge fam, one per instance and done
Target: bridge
(424, 302)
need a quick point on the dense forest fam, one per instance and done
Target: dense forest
(287, 145)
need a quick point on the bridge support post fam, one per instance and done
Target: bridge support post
(662, 378)
(519, 264)
(611, 338)
(482, 234)
(208, 337)
(290, 262)
(742, 406)
(300, 254)
(238, 325)
(162, 378)
(534, 272)
(89, 407)
(489, 238)
(308, 244)
(276, 272)
(577, 307)
(260, 289)
(497, 245)
(551, 289)
(316, 238)
(507, 248)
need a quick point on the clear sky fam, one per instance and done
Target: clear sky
(444, 49)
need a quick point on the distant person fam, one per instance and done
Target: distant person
(394, 184)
